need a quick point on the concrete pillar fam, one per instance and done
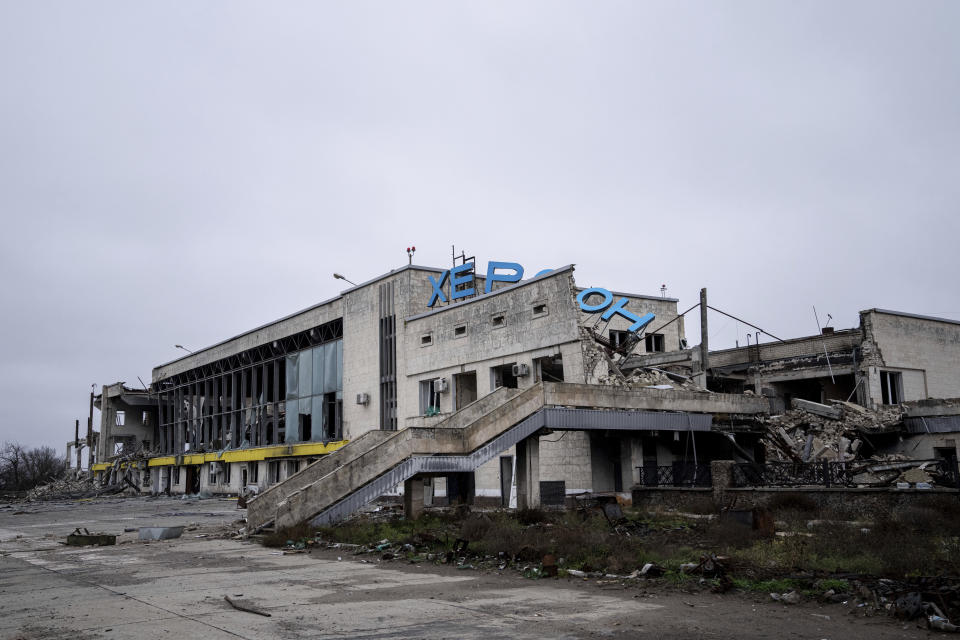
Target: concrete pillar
(631, 458)
(528, 473)
(413, 498)
(704, 332)
(721, 472)
(428, 492)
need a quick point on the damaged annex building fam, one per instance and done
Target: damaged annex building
(876, 399)
(446, 385)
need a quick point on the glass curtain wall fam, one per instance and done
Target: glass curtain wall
(314, 394)
(258, 397)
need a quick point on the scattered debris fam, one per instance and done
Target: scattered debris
(78, 539)
(241, 607)
(72, 487)
(160, 533)
(790, 597)
(647, 378)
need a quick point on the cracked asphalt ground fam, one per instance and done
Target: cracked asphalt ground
(176, 588)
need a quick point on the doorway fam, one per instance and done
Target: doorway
(193, 479)
(464, 389)
(506, 480)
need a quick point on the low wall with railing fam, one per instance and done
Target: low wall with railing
(824, 488)
(822, 473)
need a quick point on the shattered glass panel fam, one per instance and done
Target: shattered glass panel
(318, 368)
(339, 368)
(306, 429)
(291, 422)
(318, 430)
(292, 377)
(305, 371)
(332, 371)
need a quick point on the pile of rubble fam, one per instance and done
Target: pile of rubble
(650, 378)
(813, 432)
(71, 487)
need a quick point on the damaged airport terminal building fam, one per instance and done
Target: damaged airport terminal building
(452, 386)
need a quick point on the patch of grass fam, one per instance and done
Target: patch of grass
(679, 579)
(838, 585)
(440, 529)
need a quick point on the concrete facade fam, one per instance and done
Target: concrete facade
(925, 352)
(891, 358)
(226, 417)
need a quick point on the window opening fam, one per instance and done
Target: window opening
(502, 376)
(429, 398)
(891, 387)
(655, 342)
(618, 337)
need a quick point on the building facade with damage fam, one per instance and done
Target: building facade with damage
(406, 349)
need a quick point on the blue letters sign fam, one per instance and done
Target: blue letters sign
(513, 272)
(612, 308)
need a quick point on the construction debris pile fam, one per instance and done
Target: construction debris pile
(71, 487)
(813, 432)
(650, 378)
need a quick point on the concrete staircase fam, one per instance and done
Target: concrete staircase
(370, 465)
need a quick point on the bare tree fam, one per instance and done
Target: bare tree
(22, 468)
(42, 465)
(11, 466)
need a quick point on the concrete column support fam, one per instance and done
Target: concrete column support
(528, 473)
(631, 457)
(722, 473)
(413, 498)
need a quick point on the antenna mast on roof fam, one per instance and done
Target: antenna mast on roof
(462, 257)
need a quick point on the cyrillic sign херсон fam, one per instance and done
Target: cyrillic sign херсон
(463, 275)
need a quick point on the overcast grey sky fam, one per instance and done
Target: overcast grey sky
(181, 172)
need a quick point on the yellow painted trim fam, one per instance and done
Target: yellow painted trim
(244, 455)
(102, 466)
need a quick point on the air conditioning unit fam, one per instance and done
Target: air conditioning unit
(363, 398)
(520, 370)
(440, 385)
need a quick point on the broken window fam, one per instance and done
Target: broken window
(429, 398)
(549, 369)
(503, 376)
(618, 337)
(655, 342)
(226, 473)
(539, 309)
(274, 472)
(213, 473)
(121, 418)
(253, 472)
(176, 475)
(891, 387)
(293, 466)
(498, 320)
(426, 340)
(306, 420)
(460, 331)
